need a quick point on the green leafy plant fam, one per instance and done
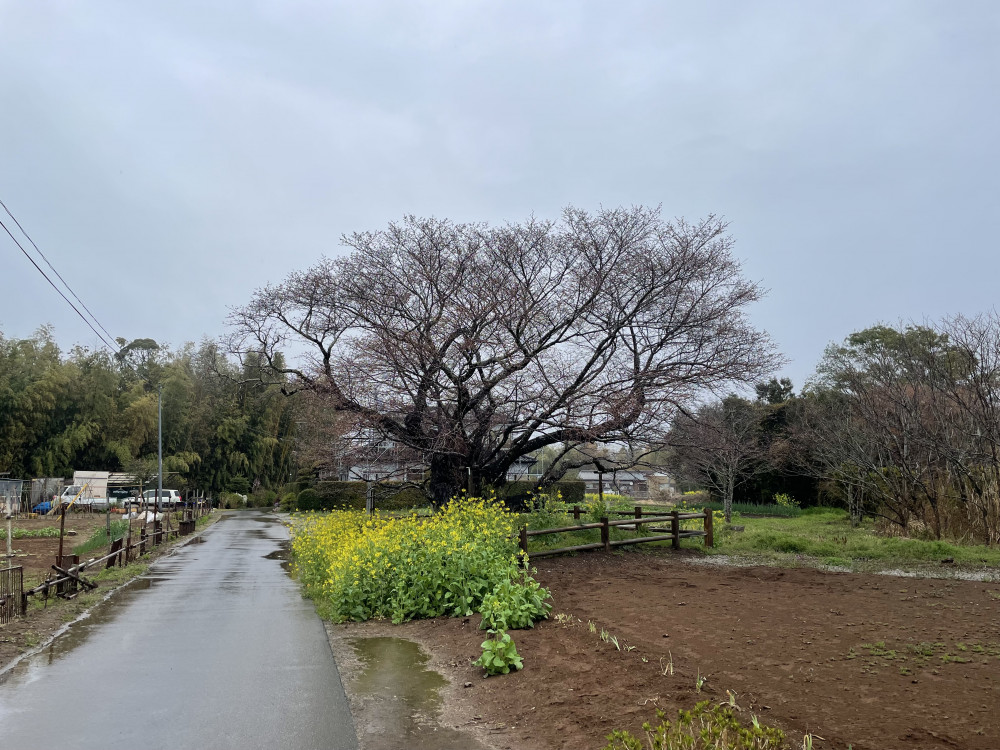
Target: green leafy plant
(705, 727)
(515, 604)
(43, 532)
(499, 654)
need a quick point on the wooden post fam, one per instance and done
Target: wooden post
(638, 511)
(524, 540)
(62, 528)
(709, 530)
(576, 512)
(675, 529)
(605, 534)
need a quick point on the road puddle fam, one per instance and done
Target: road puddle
(398, 699)
(283, 553)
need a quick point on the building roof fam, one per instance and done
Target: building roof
(617, 476)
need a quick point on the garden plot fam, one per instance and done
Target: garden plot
(36, 551)
(867, 661)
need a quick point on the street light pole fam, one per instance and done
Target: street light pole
(159, 453)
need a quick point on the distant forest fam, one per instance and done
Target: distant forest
(93, 410)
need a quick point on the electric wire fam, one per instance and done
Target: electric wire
(34, 244)
(56, 272)
(27, 255)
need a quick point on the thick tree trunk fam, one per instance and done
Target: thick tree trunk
(447, 478)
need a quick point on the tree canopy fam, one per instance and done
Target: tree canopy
(93, 411)
(474, 345)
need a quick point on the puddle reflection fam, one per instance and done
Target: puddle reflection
(401, 697)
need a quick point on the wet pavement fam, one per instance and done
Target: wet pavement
(213, 648)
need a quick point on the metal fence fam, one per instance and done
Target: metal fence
(11, 594)
(10, 495)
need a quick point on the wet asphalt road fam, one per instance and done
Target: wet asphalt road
(213, 648)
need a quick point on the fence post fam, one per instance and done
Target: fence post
(675, 529)
(576, 512)
(709, 528)
(524, 540)
(605, 534)
(638, 511)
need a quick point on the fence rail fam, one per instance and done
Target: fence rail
(673, 534)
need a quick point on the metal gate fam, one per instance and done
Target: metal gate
(11, 594)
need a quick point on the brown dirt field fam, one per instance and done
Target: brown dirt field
(37, 555)
(789, 642)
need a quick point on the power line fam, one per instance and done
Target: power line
(58, 290)
(56, 272)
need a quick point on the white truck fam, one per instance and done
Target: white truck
(90, 489)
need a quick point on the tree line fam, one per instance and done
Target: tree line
(93, 410)
(901, 423)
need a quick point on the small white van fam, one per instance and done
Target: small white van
(169, 498)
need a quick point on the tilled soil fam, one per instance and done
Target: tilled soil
(37, 554)
(875, 662)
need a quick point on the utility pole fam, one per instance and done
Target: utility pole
(159, 454)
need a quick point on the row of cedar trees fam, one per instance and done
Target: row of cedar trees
(901, 423)
(92, 410)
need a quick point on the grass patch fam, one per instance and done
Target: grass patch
(101, 539)
(827, 535)
(770, 510)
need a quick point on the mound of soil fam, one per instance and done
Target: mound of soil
(871, 661)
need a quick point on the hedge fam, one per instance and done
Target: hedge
(518, 493)
(389, 496)
(392, 496)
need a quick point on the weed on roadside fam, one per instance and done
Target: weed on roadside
(705, 727)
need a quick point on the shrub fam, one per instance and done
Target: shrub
(232, 500)
(696, 497)
(262, 499)
(705, 727)
(359, 567)
(786, 500)
(308, 499)
(520, 494)
(289, 502)
(389, 496)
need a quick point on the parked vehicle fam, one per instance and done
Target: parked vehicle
(89, 489)
(85, 496)
(169, 498)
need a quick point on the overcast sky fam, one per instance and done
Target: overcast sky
(171, 157)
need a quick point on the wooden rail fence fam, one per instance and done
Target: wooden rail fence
(69, 570)
(674, 533)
